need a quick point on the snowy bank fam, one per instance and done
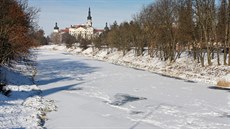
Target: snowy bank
(24, 108)
(184, 67)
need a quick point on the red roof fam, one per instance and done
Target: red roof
(65, 30)
(77, 26)
(98, 30)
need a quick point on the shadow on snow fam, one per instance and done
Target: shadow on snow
(219, 88)
(62, 70)
(54, 70)
(59, 89)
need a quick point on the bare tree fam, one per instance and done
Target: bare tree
(40, 37)
(185, 27)
(68, 39)
(204, 11)
(55, 38)
(16, 27)
(169, 27)
(221, 29)
(228, 32)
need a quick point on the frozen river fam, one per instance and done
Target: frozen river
(92, 94)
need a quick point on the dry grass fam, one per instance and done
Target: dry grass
(223, 83)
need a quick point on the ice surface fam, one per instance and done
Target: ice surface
(112, 96)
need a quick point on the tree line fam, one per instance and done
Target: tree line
(169, 27)
(18, 30)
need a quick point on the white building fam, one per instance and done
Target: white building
(85, 30)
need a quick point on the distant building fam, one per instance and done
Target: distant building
(56, 28)
(86, 31)
(106, 27)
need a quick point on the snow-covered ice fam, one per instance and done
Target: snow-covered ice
(95, 94)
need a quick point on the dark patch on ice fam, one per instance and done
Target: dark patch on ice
(219, 88)
(190, 81)
(73, 89)
(139, 69)
(66, 53)
(42, 122)
(228, 116)
(136, 112)
(121, 99)
(225, 115)
(178, 78)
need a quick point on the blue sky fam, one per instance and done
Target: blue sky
(72, 12)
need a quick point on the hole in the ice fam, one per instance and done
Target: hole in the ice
(121, 99)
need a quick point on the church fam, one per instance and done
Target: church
(86, 31)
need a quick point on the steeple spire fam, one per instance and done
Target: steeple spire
(89, 19)
(106, 27)
(89, 15)
(56, 28)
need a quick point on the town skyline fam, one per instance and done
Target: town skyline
(69, 12)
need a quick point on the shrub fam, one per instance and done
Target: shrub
(223, 83)
(17, 26)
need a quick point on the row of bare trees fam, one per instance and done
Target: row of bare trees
(17, 30)
(69, 40)
(170, 27)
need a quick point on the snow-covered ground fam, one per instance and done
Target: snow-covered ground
(24, 108)
(184, 67)
(95, 94)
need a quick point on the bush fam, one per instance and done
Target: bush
(223, 83)
(17, 26)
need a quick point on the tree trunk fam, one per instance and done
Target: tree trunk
(228, 32)
(218, 55)
(209, 56)
(228, 54)
(202, 60)
(194, 49)
(207, 46)
(225, 54)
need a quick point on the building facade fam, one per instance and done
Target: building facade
(86, 31)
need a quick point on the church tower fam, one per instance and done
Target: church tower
(89, 19)
(56, 28)
(106, 27)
